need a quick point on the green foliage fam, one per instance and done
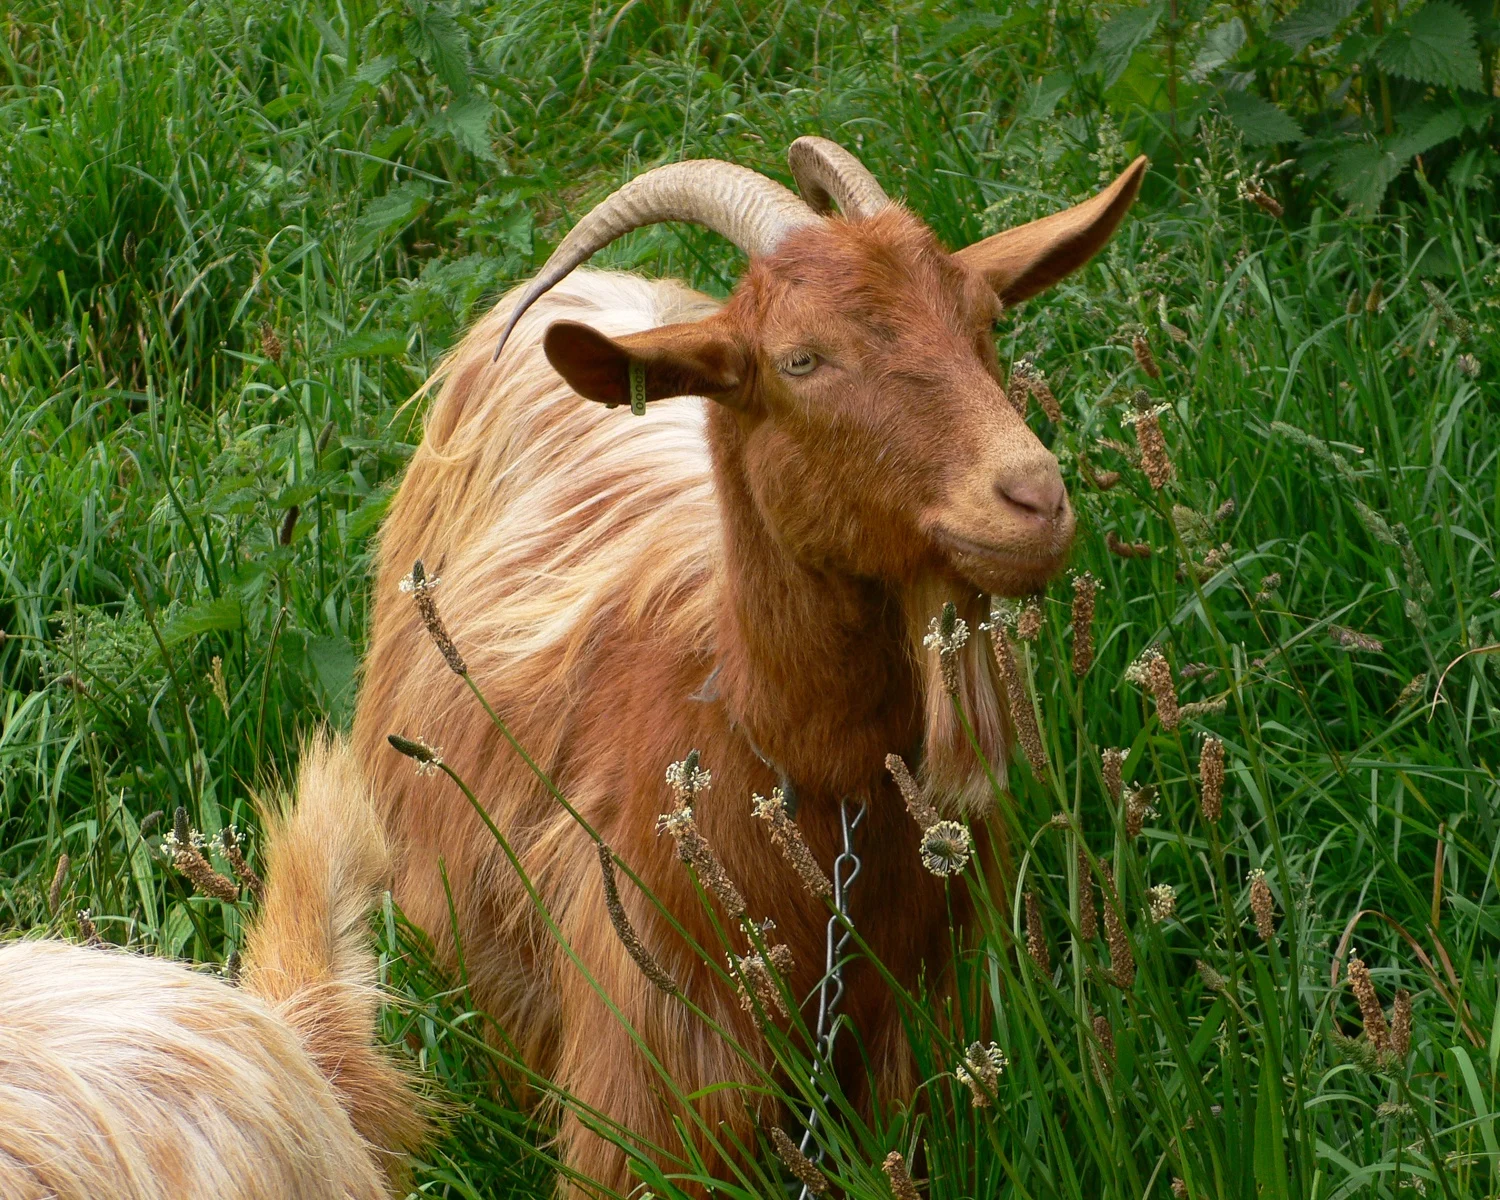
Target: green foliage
(1356, 92)
(236, 238)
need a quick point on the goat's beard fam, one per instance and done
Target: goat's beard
(952, 775)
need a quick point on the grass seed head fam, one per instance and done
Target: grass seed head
(1377, 1032)
(1412, 692)
(921, 812)
(980, 1072)
(271, 344)
(1151, 442)
(216, 681)
(1268, 585)
(1353, 640)
(1105, 1035)
(1088, 911)
(1046, 400)
(1211, 779)
(1113, 762)
(429, 759)
(1161, 902)
(1252, 191)
(1262, 905)
(182, 846)
(420, 586)
(1455, 324)
(1154, 673)
(59, 877)
(946, 634)
(1085, 589)
(1144, 357)
(688, 780)
(1212, 980)
(756, 977)
(1029, 620)
(234, 855)
(1179, 1188)
(1027, 377)
(1036, 936)
(803, 1168)
(658, 975)
(1401, 1025)
(1121, 957)
(1120, 549)
(1100, 481)
(693, 850)
(1138, 807)
(787, 838)
(1022, 715)
(895, 1170)
(946, 847)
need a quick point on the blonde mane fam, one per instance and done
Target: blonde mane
(573, 514)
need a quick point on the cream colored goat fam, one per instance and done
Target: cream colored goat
(131, 1078)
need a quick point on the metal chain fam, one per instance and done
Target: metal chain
(831, 989)
(836, 936)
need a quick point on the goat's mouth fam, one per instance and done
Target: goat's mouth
(999, 570)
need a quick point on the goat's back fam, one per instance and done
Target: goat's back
(124, 1077)
(559, 529)
(130, 1078)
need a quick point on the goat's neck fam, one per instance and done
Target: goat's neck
(813, 665)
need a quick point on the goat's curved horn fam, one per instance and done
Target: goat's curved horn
(753, 212)
(825, 172)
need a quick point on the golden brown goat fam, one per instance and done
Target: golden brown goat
(785, 544)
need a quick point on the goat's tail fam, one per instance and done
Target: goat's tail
(308, 953)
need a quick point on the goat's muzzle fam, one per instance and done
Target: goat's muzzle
(1011, 536)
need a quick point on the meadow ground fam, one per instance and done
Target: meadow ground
(236, 237)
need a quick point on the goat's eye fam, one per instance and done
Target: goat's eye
(799, 362)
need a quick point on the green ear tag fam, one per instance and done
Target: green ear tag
(637, 387)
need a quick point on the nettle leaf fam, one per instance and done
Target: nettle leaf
(370, 343)
(432, 34)
(1222, 44)
(1259, 121)
(401, 204)
(333, 663)
(220, 613)
(369, 76)
(1486, 20)
(1362, 173)
(1122, 35)
(1434, 45)
(1423, 131)
(468, 123)
(1312, 21)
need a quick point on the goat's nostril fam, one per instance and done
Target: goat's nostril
(1037, 494)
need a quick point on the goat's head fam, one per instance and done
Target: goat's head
(858, 357)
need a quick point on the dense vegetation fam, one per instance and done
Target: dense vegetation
(236, 237)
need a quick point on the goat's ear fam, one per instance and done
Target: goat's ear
(1029, 259)
(696, 358)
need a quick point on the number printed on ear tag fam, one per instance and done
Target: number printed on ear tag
(637, 387)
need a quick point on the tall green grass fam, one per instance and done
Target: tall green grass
(234, 240)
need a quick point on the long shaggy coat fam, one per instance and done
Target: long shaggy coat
(130, 1078)
(587, 578)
